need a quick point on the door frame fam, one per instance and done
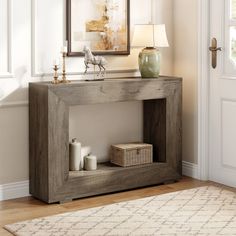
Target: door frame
(203, 88)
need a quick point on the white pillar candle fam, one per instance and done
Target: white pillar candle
(56, 62)
(90, 162)
(64, 49)
(85, 151)
(75, 155)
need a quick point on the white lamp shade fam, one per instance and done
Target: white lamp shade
(150, 35)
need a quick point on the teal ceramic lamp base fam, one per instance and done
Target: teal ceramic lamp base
(149, 62)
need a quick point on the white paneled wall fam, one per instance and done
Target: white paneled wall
(5, 38)
(31, 34)
(186, 66)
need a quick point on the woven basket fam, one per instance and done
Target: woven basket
(131, 154)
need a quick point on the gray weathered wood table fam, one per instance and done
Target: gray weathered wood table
(50, 178)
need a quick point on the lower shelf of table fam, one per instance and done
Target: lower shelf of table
(105, 168)
(109, 178)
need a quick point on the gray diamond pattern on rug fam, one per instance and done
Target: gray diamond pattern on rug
(200, 211)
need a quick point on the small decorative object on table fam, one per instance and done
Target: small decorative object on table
(75, 155)
(151, 37)
(56, 68)
(90, 162)
(131, 154)
(99, 61)
(64, 54)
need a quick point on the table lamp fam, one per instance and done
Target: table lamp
(151, 37)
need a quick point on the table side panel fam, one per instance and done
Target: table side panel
(174, 129)
(154, 127)
(58, 142)
(38, 141)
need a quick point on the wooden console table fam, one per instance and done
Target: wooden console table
(50, 178)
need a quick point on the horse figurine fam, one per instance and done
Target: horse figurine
(94, 60)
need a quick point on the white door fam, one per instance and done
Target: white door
(222, 139)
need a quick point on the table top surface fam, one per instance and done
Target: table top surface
(111, 80)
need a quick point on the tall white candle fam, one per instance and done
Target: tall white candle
(56, 62)
(64, 49)
(75, 155)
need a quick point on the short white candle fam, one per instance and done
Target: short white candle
(85, 151)
(90, 162)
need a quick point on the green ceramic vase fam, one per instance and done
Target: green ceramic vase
(149, 62)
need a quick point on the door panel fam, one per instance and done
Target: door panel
(228, 131)
(222, 133)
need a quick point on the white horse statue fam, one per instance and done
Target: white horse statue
(94, 60)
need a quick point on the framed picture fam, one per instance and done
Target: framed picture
(101, 25)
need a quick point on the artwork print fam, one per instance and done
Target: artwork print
(101, 25)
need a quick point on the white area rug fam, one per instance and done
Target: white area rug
(199, 211)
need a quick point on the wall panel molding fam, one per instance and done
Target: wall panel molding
(33, 36)
(9, 72)
(190, 170)
(13, 104)
(14, 190)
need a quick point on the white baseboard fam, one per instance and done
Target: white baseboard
(190, 169)
(21, 189)
(14, 190)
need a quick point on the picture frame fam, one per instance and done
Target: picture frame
(101, 25)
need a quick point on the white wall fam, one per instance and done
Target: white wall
(185, 65)
(31, 34)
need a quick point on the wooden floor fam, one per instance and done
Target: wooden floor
(21, 209)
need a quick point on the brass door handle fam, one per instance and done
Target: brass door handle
(214, 50)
